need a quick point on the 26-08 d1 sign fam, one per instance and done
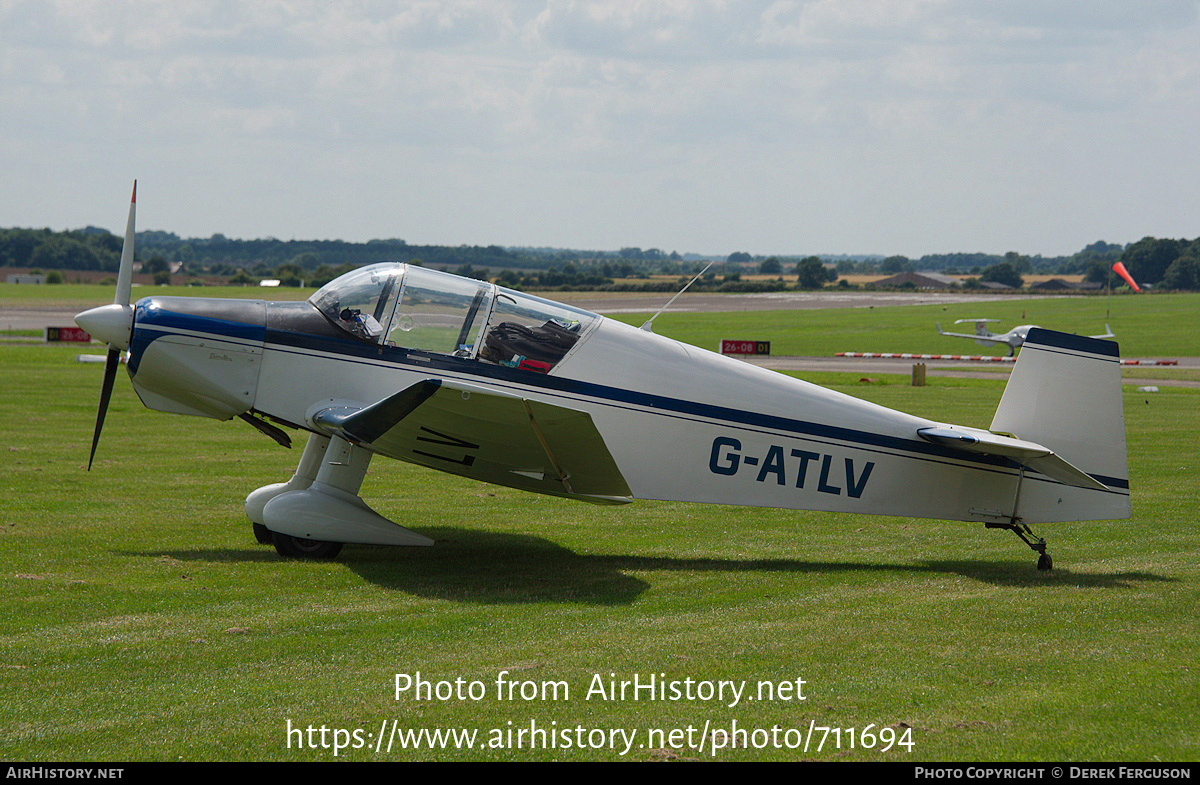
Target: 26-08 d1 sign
(745, 347)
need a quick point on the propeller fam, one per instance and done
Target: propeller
(110, 375)
(113, 323)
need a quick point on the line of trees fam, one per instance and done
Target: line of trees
(84, 249)
(1162, 263)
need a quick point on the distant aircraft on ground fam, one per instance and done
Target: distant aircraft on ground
(497, 385)
(1014, 338)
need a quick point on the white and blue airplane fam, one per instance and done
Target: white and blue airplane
(501, 386)
(1013, 339)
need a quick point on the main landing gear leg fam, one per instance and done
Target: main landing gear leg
(313, 522)
(306, 472)
(1021, 530)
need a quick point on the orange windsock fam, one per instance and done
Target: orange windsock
(1121, 271)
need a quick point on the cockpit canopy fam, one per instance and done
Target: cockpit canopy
(401, 305)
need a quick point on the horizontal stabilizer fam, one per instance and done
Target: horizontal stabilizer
(1034, 456)
(488, 435)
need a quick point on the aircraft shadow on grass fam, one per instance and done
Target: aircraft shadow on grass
(501, 568)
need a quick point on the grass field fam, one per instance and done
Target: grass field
(143, 622)
(1158, 326)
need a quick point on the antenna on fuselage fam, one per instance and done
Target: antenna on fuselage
(648, 326)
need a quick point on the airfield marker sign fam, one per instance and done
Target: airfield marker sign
(745, 347)
(67, 335)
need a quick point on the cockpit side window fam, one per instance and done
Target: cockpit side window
(530, 333)
(428, 310)
(438, 312)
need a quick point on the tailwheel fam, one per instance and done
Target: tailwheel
(290, 547)
(1038, 546)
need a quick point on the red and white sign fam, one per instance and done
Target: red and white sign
(905, 356)
(976, 358)
(745, 347)
(67, 335)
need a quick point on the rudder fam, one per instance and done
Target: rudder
(1065, 393)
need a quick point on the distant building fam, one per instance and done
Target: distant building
(1053, 285)
(920, 280)
(37, 279)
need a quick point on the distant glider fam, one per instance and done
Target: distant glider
(1014, 338)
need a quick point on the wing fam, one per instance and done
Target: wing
(487, 435)
(982, 338)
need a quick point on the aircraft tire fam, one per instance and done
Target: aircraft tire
(290, 547)
(262, 535)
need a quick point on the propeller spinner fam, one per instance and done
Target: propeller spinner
(113, 323)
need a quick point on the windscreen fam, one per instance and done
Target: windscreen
(360, 301)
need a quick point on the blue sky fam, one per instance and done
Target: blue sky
(875, 126)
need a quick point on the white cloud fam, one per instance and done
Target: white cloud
(883, 125)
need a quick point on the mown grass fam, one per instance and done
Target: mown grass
(82, 295)
(1145, 326)
(143, 623)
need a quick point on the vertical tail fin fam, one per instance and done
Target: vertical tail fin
(1065, 393)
